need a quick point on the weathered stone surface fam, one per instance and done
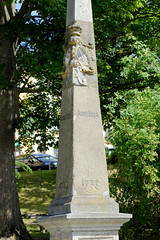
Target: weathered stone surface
(82, 208)
(78, 11)
(82, 226)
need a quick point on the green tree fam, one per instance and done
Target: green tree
(127, 57)
(135, 183)
(29, 43)
(127, 42)
(125, 60)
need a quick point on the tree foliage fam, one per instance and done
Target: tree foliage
(135, 183)
(39, 114)
(127, 42)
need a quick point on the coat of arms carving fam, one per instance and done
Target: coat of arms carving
(79, 59)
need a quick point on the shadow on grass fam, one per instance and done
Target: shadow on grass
(40, 236)
(36, 191)
(34, 230)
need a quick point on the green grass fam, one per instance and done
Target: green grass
(36, 191)
(34, 230)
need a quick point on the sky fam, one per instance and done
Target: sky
(18, 6)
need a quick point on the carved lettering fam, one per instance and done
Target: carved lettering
(90, 186)
(87, 114)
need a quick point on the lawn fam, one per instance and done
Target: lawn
(36, 191)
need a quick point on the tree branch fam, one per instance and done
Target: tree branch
(27, 90)
(2, 13)
(11, 10)
(6, 12)
(114, 34)
(125, 24)
(38, 90)
(122, 86)
(24, 11)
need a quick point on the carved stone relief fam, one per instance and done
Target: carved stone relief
(79, 59)
(91, 186)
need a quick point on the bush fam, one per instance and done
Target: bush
(136, 181)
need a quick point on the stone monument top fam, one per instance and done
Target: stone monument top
(80, 10)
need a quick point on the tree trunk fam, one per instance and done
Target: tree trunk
(11, 224)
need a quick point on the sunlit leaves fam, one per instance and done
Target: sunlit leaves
(8, 2)
(39, 117)
(141, 64)
(127, 38)
(136, 137)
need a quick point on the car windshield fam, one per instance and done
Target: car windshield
(46, 158)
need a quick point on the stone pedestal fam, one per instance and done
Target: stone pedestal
(84, 226)
(82, 208)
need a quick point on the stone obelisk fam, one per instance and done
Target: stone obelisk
(82, 208)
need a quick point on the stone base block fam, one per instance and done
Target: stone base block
(83, 205)
(84, 227)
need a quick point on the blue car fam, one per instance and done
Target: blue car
(38, 162)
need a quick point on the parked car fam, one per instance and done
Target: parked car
(37, 162)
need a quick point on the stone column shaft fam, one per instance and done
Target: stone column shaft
(82, 209)
(82, 181)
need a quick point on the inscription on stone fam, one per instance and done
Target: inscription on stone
(90, 186)
(87, 114)
(81, 114)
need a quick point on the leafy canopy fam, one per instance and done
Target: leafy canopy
(135, 183)
(127, 42)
